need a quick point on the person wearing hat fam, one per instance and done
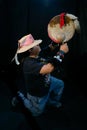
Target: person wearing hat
(39, 83)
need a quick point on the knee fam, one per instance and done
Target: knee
(61, 84)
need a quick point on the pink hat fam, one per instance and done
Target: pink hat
(27, 42)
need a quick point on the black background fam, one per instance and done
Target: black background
(21, 17)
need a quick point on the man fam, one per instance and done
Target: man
(42, 88)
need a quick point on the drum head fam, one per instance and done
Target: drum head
(58, 34)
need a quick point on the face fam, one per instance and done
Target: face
(36, 50)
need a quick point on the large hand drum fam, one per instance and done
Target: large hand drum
(61, 28)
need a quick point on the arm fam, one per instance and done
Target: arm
(49, 50)
(47, 68)
(62, 51)
(55, 62)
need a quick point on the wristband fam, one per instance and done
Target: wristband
(61, 54)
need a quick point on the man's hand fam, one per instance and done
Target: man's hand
(64, 47)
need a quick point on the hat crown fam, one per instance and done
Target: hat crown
(26, 40)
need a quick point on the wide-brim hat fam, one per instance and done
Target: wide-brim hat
(61, 28)
(27, 42)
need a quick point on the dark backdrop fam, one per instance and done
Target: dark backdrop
(20, 17)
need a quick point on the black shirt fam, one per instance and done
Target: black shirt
(36, 83)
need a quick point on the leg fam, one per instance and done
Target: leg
(35, 105)
(56, 90)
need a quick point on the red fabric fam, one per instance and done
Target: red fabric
(62, 20)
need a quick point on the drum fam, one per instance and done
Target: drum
(61, 28)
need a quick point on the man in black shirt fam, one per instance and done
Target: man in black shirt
(42, 88)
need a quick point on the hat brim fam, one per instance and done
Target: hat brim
(25, 48)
